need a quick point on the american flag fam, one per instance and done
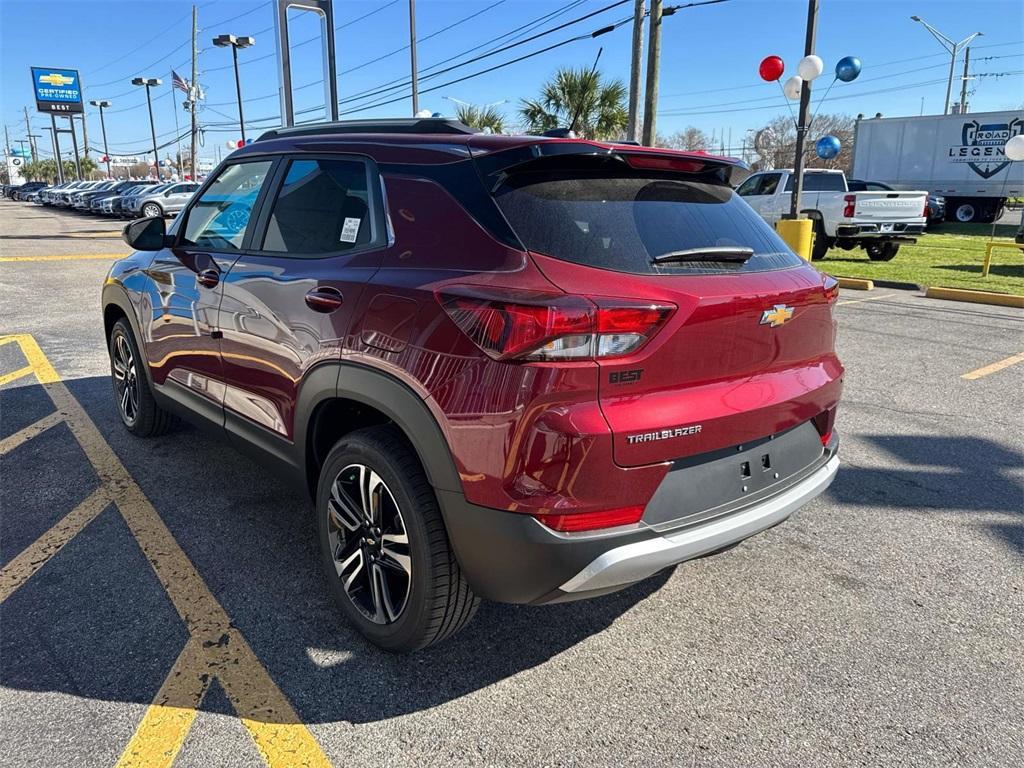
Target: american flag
(179, 82)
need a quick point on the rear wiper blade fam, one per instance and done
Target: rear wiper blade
(711, 253)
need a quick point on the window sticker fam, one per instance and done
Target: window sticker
(350, 230)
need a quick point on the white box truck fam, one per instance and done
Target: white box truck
(960, 157)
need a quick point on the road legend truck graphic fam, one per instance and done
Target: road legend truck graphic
(982, 146)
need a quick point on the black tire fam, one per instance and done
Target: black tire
(822, 242)
(145, 418)
(882, 251)
(437, 600)
(152, 209)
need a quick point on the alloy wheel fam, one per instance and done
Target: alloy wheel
(126, 379)
(369, 544)
(151, 210)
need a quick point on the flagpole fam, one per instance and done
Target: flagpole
(177, 133)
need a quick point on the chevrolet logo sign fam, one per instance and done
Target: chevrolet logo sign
(54, 79)
(777, 315)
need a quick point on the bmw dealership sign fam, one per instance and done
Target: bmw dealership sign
(57, 90)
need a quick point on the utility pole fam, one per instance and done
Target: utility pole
(636, 68)
(74, 146)
(412, 58)
(805, 102)
(952, 47)
(85, 133)
(650, 132)
(963, 85)
(194, 91)
(56, 149)
(32, 146)
(7, 141)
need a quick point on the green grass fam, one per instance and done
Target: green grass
(950, 258)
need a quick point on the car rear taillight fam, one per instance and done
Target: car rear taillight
(548, 327)
(824, 422)
(591, 521)
(925, 214)
(850, 207)
(831, 288)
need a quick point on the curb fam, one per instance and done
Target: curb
(855, 283)
(899, 285)
(975, 297)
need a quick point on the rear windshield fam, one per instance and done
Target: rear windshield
(622, 222)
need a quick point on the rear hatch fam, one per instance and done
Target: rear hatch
(748, 351)
(897, 207)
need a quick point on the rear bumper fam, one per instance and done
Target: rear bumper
(874, 229)
(511, 557)
(632, 562)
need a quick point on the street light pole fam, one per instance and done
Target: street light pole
(954, 48)
(412, 58)
(805, 103)
(103, 128)
(150, 82)
(223, 41)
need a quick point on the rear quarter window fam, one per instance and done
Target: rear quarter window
(622, 222)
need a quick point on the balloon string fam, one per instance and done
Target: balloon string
(784, 96)
(820, 102)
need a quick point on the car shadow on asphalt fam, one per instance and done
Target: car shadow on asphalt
(958, 473)
(95, 623)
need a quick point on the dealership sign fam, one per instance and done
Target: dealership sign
(57, 90)
(982, 147)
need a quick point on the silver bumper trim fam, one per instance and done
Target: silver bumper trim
(633, 562)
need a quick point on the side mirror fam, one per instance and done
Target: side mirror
(149, 234)
(167, 193)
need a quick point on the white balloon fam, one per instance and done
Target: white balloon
(792, 87)
(1015, 147)
(810, 67)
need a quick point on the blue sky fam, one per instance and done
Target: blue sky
(709, 62)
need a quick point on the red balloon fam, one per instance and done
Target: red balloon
(771, 68)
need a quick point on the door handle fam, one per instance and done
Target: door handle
(325, 299)
(208, 278)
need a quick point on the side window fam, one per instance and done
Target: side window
(749, 187)
(324, 206)
(219, 218)
(770, 183)
(819, 182)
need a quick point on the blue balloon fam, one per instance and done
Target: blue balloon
(827, 147)
(848, 68)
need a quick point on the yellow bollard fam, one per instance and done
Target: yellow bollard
(798, 234)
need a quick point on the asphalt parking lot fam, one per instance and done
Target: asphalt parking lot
(143, 581)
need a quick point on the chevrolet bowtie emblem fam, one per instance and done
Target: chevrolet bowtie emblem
(777, 315)
(54, 79)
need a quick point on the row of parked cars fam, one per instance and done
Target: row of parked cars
(127, 199)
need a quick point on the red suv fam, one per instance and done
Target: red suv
(522, 368)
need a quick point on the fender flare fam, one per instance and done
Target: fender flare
(387, 394)
(114, 294)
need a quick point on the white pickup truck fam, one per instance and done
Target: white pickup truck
(875, 221)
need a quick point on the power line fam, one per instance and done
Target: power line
(596, 33)
(485, 55)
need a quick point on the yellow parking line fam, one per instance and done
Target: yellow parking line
(279, 734)
(869, 298)
(998, 366)
(69, 257)
(24, 565)
(7, 378)
(8, 444)
(169, 718)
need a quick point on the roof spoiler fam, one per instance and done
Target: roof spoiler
(547, 153)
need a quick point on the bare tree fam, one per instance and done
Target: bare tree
(776, 142)
(690, 139)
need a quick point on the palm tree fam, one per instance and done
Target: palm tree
(580, 100)
(481, 118)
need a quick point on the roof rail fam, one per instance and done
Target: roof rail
(389, 125)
